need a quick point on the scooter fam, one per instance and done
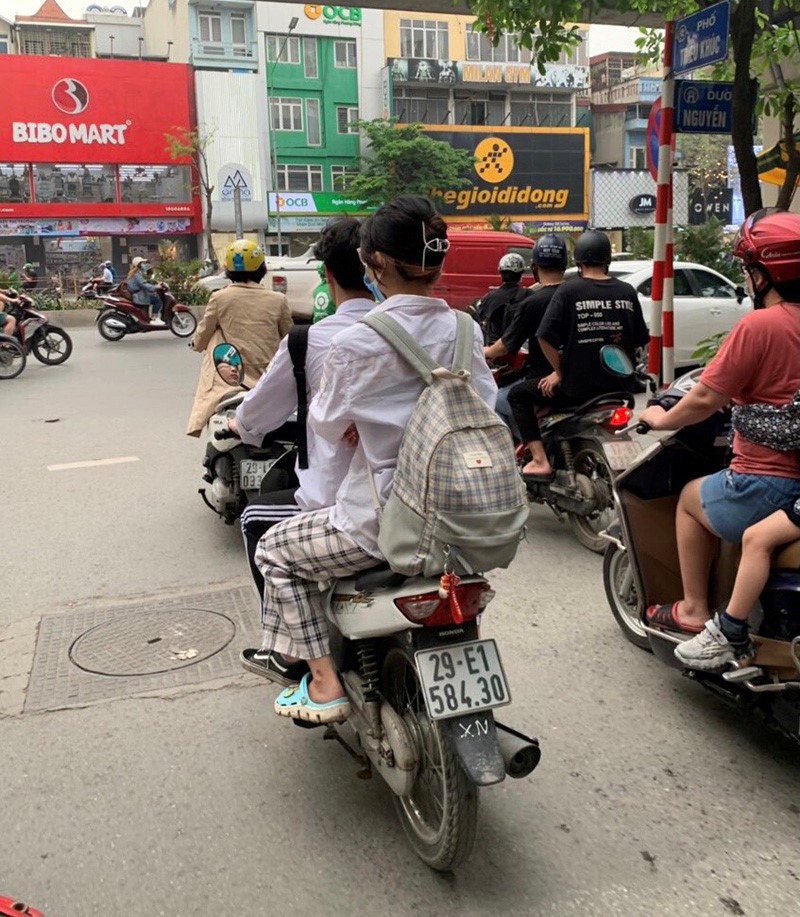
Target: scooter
(50, 344)
(586, 452)
(423, 686)
(118, 315)
(641, 568)
(93, 289)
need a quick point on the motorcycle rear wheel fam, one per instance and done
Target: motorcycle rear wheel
(622, 595)
(51, 346)
(12, 357)
(109, 332)
(591, 462)
(183, 324)
(440, 815)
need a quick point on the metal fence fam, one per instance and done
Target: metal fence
(618, 198)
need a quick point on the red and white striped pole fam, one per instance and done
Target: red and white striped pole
(661, 318)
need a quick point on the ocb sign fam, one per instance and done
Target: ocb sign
(336, 15)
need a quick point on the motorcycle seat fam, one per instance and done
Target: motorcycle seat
(599, 401)
(379, 577)
(788, 558)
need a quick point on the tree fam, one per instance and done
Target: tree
(188, 144)
(704, 156)
(762, 32)
(403, 160)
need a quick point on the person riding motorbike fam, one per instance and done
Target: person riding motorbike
(496, 307)
(584, 314)
(760, 479)
(8, 323)
(143, 293)
(367, 386)
(548, 263)
(30, 278)
(274, 400)
(245, 314)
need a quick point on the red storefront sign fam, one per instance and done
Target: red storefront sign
(94, 112)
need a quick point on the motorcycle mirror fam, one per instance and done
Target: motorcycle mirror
(228, 363)
(740, 293)
(616, 361)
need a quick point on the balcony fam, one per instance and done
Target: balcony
(225, 55)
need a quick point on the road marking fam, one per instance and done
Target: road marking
(96, 464)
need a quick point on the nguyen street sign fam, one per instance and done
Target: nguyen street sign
(702, 108)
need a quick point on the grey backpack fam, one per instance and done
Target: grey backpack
(457, 495)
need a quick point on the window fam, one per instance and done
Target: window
(155, 184)
(3, 44)
(540, 109)
(680, 286)
(313, 130)
(481, 48)
(210, 27)
(287, 114)
(55, 42)
(310, 66)
(287, 46)
(346, 116)
(713, 287)
(344, 53)
(299, 178)
(422, 106)
(637, 158)
(341, 175)
(424, 38)
(73, 183)
(14, 182)
(239, 36)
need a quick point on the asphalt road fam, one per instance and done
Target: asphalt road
(652, 798)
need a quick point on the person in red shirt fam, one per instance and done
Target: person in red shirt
(759, 363)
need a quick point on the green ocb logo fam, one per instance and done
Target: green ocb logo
(334, 14)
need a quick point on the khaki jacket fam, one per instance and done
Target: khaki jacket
(252, 318)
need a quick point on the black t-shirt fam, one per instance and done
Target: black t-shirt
(494, 312)
(582, 317)
(524, 326)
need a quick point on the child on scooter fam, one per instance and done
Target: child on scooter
(725, 637)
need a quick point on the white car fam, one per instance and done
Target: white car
(705, 302)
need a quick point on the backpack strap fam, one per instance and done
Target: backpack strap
(297, 343)
(412, 353)
(462, 357)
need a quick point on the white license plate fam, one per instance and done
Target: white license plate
(251, 472)
(462, 678)
(621, 454)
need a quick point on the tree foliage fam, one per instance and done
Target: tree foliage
(190, 144)
(403, 160)
(706, 244)
(762, 33)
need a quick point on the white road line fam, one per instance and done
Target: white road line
(96, 464)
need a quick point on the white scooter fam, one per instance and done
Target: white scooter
(422, 685)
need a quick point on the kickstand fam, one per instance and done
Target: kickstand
(331, 733)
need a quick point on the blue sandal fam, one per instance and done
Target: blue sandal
(295, 703)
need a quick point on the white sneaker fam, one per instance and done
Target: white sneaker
(710, 650)
(156, 320)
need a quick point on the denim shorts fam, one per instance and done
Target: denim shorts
(733, 502)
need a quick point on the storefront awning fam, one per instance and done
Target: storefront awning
(772, 163)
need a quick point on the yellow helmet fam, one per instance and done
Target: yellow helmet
(243, 255)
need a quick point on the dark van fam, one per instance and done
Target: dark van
(470, 268)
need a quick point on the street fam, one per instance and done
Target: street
(133, 796)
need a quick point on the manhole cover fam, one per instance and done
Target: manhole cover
(152, 642)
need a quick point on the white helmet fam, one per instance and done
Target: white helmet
(511, 263)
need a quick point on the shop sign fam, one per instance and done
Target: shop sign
(335, 15)
(524, 173)
(643, 203)
(318, 202)
(90, 111)
(92, 227)
(424, 70)
(233, 176)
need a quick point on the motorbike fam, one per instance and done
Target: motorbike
(641, 568)
(423, 686)
(586, 452)
(94, 288)
(35, 335)
(118, 315)
(12, 357)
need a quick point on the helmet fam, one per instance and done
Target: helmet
(243, 256)
(550, 252)
(27, 266)
(137, 261)
(592, 247)
(770, 239)
(107, 264)
(511, 263)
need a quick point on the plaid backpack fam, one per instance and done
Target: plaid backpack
(457, 496)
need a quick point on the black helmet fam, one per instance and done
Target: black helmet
(550, 252)
(592, 247)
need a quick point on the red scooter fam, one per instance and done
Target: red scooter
(50, 344)
(119, 315)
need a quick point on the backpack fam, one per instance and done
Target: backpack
(297, 344)
(457, 501)
(776, 428)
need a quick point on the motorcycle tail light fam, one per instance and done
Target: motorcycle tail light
(430, 609)
(620, 418)
(279, 283)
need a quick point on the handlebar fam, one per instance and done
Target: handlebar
(637, 426)
(225, 434)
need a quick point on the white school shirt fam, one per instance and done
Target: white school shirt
(274, 399)
(366, 382)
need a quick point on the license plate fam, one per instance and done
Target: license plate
(621, 454)
(462, 678)
(251, 473)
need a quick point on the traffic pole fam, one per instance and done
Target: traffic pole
(661, 317)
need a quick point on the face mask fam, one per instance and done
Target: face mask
(373, 288)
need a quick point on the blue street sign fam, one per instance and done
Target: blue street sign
(702, 108)
(701, 39)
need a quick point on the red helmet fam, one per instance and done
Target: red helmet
(770, 239)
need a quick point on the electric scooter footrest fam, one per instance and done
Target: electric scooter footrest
(736, 676)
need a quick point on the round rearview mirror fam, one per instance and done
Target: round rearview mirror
(228, 362)
(616, 361)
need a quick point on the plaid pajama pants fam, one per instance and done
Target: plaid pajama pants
(293, 557)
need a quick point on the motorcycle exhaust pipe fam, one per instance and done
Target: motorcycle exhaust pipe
(521, 754)
(116, 323)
